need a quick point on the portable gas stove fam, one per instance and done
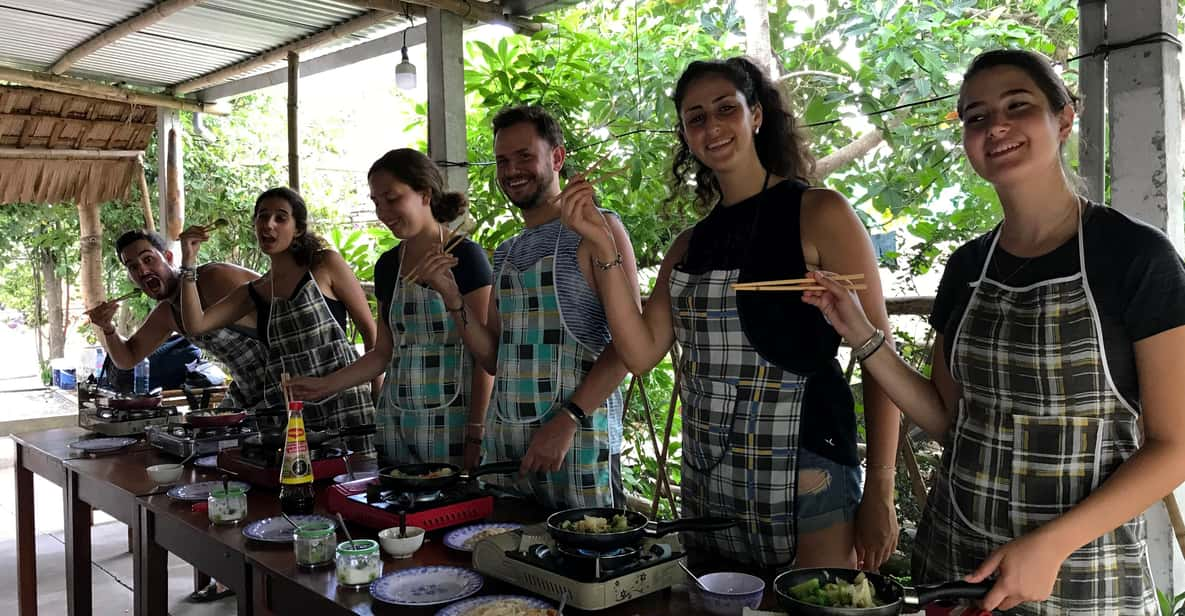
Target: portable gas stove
(95, 413)
(365, 502)
(530, 559)
(185, 440)
(260, 466)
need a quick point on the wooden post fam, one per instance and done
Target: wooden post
(446, 96)
(293, 122)
(145, 199)
(168, 137)
(176, 198)
(91, 239)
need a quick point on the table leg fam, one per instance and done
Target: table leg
(151, 568)
(200, 580)
(78, 550)
(259, 591)
(26, 538)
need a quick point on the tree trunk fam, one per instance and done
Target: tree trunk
(757, 45)
(55, 320)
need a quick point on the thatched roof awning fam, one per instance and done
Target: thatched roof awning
(58, 148)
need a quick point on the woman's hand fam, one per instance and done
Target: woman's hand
(191, 239)
(309, 388)
(578, 211)
(841, 307)
(876, 523)
(437, 271)
(473, 437)
(1027, 568)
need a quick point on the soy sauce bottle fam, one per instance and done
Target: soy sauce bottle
(296, 471)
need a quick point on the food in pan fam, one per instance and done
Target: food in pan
(435, 474)
(595, 524)
(508, 607)
(484, 534)
(839, 593)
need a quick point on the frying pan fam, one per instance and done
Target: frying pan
(209, 418)
(137, 403)
(415, 483)
(314, 437)
(639, 527)
(895, 597)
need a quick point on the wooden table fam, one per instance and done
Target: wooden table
(113, 483)
(42, 453)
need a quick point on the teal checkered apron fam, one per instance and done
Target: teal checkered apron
(741, 423)
(1040, 425)
(243, 355)
(425, 400)
(540, 363)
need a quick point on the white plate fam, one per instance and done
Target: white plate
(426, 585)
(278, 530)
(200, 491)
(103, 444)
(456, 539)
(462, 608)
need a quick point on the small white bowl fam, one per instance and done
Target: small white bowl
(401, 547)
(165, 473)
(728, 593)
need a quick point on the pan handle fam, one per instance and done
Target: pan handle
(703, 524)
(497, 468)
(926, 594)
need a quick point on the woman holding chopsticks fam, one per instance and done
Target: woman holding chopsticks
(1058, 333)
(300, 305)
(769, 431)
(432, 408)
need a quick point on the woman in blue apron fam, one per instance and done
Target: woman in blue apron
(769, 430)
(433, 403)
(301, 306)
(1059, 333)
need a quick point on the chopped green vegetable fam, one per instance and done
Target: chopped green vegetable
(839, 593)
(597, 524)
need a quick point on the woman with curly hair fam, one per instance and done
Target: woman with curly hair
(301, 305)
(769, 430)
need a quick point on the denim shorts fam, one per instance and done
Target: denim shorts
(835, 501)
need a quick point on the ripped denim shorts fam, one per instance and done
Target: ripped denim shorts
(828, 492)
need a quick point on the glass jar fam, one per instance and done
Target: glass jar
(358, 563)
(314, 544)
(227, 506)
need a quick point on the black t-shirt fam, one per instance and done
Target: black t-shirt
(760, 236)
(1136, 277)
(471, 272)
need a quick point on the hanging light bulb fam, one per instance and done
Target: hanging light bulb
(405, 71)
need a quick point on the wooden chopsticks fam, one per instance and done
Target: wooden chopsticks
(128, 295)
(450, 244)
(799, 284)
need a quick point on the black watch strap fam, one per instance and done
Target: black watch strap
(578, 412)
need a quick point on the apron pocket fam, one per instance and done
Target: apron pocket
(708, 410)
(980, 461)
(427, 376)
(1055, 465)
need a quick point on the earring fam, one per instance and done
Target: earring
(757, 130)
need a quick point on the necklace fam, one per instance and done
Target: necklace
(1000, 277)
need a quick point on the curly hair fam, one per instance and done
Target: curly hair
(418, 171)
(307, 248)
(781, 145)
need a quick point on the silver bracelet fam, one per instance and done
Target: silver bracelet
(188, 273)
(870, 346)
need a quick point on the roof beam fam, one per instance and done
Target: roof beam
(40, 154)
(474, 11)
(128, 26)
(280, 53)
(80, 87)
(371, 49)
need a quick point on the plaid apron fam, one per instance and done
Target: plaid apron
(305, 340)
(741, 420)
(425, 401)
(540, 363)
(243, 355)
(1040, 425)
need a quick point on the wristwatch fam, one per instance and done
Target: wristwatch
(578, 413)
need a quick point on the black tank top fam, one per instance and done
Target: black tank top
(761, 237)
(262, 304)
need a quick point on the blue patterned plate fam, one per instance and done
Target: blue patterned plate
(105, 444)
(200, 491)
(462, 608)
(466, 537)
(278, 530)
(426, 585)
(206, 461)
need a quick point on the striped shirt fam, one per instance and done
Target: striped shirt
(581, 308)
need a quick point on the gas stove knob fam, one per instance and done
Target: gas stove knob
(180, 432)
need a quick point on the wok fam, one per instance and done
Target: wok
(893, 595)
(275, 437)
(209, 418)
(135, 403)
(639, 527)
(413, 481)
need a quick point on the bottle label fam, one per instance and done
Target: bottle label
(297, 467)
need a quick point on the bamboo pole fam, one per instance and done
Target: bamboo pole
(128, 26)
(905, 447)
(173, 204)
(293, 121)
(80, 87)
(1178, 524)
(465, 9)
(145, 199)
(39, 154)
(278, 54)
(91, 238)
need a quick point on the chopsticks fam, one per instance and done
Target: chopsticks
(284, 388)
(800, 284)
(450, 244)
(597, 180)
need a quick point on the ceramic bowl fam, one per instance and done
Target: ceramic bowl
(727, 593)
(401, 547)
(165, 473)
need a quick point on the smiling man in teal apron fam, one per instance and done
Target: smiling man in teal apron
(546, 330)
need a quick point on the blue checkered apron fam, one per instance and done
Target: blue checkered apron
(425, 400)
(1040, 425)
(305, 340)
(741, 422)
(243, 355)
(540, 363)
